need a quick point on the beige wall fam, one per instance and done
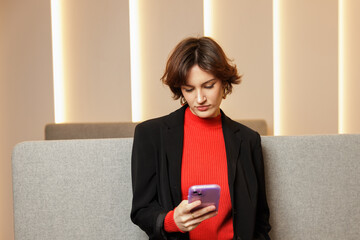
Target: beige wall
(97, 66)
(26, 87)
(309, 67)
(96, 60)
(244, 29)
(163, 24)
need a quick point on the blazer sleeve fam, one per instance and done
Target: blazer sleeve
(146, 211)
(262, 225)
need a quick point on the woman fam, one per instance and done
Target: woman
(198, 144)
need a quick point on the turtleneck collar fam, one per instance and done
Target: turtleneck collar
(192, 120)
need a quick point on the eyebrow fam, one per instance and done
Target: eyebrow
(208, 81)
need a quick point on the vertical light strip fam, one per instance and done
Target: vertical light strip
(341, 77)
(207, 13)
(135, 61)
(58, 68)
(276, 63)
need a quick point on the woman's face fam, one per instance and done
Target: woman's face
(203, 92)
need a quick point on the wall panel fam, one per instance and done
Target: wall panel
(163, 24)
(26, 90)
(96, 60)
(308, 67)
(244, 29)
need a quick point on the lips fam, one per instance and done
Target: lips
(202, 108)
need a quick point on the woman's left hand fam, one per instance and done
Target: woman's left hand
(186, 220)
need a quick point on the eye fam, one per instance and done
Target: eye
(188, 89)
(209, 86)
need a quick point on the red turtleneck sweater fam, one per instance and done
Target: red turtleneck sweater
(204, 162)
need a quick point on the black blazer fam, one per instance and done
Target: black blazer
(156, 176)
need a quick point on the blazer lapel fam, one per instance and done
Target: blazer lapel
(174, 136)
(232, 145)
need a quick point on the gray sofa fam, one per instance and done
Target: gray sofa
(81, 189)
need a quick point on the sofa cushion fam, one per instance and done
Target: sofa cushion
(73, 189)
(313, 185)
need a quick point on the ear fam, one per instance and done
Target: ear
(182, 101)
(225, 91)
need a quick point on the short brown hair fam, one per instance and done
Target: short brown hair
(208, 55)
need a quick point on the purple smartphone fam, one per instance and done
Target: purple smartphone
(208, 195)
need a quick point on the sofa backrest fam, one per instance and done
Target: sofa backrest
(60, 131)
(81, 189)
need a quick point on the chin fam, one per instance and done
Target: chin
(205, 114)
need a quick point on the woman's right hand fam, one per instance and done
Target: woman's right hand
(187, 220)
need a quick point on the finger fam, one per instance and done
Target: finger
(192, 227)
(200, 215)
(203, 211)
(191, 224)
(187, 217)
(182, 207)
(193, 205)
(182, 213)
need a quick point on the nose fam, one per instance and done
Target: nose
(200, 97)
